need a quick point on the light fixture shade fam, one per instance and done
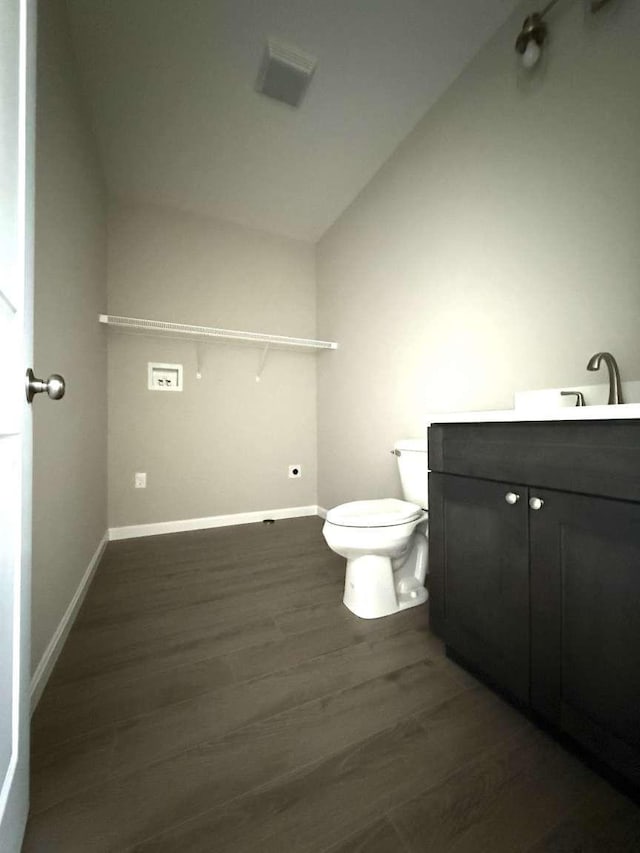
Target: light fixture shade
(531, 39)
(532, 54)
(534, 32)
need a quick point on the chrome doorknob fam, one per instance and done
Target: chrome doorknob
(54, 386)
(536, 503)
(512, 498)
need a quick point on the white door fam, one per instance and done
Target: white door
(17, 67)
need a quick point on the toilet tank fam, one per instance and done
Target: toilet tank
(413, 464)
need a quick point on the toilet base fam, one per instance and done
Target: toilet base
(377, 586)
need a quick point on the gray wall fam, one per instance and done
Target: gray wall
(222, 445)
(495, 251)
(69, 465)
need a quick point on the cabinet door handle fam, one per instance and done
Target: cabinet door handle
(512, 498)
(536, 503)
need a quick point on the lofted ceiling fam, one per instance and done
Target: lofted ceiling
(171, 85)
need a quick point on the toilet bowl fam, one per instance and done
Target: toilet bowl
(385, 541)
(385, 545)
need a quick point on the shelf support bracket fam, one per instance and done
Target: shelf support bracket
(263, 361)
(199, 360)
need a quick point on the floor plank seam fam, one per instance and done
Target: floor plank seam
(476, 762)
(236, 682)
(276, 781)
(167, 756)
(87, 676)
(149, 607)
(406, 842)
(223, 658)
(67, 685)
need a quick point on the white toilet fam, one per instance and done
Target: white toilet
(385, 541)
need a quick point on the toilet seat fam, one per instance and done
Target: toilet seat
(387, 512)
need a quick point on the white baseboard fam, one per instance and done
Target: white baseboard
(134, 531)
(322, 512)
(48, 660)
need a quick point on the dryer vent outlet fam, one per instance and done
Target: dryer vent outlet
(295, 471)
(285, 73)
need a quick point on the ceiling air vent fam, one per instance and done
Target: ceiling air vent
(285, 73)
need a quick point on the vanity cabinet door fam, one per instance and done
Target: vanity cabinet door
(479, 576)
(585, 622)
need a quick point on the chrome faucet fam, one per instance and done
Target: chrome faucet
(577, 394)
(615, 385)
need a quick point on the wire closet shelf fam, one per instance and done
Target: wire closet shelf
(210, 333)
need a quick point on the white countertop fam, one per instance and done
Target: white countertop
(575, 413)
(549, 404)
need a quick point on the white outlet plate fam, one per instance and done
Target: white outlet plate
(140, 480)
(295, 471)
(164, 377)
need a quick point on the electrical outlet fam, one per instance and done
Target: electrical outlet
(295, 471)
(140, 481)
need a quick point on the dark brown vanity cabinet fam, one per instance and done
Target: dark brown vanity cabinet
(482, 541)
(585, 623)
(535, 587)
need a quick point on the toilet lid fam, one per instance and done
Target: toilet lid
(382, 513)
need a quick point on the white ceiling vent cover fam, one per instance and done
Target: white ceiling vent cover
(285, 73)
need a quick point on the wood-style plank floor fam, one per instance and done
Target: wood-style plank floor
(214, 695)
